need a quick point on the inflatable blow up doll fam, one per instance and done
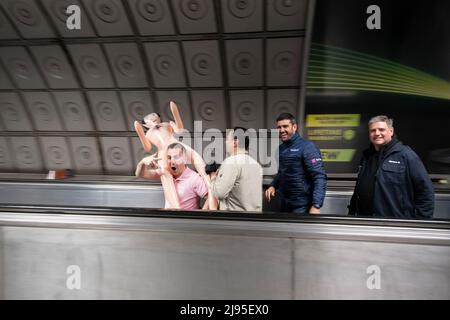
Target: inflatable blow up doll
(161, 135)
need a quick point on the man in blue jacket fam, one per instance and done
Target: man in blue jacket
(392, 181)
(301, 178)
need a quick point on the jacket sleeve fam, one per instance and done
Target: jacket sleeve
(352, 207)
(276, 180)
(422, 185)
(222, 184)
(314, 165)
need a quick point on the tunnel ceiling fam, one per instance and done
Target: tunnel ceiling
(68, 98)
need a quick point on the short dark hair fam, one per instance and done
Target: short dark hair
(246, 137)
(177, 145)
(286, 116)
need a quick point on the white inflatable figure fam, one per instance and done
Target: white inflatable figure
(161, 135)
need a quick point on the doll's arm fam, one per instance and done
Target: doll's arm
(140, 132)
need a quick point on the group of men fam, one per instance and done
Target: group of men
(392, 180)
(237, 184)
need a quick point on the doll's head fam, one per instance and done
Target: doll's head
(151, 120)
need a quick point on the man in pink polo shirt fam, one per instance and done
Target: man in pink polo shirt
(189, 184)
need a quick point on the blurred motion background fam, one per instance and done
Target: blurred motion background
(68, 98)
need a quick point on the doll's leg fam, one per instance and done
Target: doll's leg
(178, 125)
(140, 132)
(170, 193)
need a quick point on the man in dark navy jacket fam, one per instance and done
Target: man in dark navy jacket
(392, 180)
(301, 178)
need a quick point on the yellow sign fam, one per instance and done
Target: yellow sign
(333, 120)
(349, 134)
(337, 155)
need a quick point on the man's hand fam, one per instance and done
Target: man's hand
(151, 162)
(151, 167)
(270, 193)
(314, 210)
